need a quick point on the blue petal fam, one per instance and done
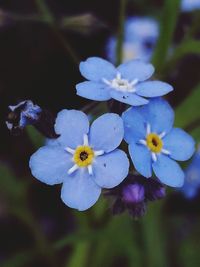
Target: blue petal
(95, 69)
(168, 171)
(136, 69)
(159, 115)
(111, 169)
(128, 98)
(50, 164)
(79, 191)
(134, 125)
(93, 91)
(106, 132)
(180, 144)
(71, 125)
(153, 89)
(141, 158)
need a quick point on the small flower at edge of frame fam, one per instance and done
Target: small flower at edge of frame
(126, 83)
(190, 5)
(191, 186)
(153, 143)
(84, 159)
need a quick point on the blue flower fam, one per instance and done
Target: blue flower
(84, 160)
(140, 37)
(25, 113)
(192, 177)
(125, 84)
(153, 143)
(190, 5)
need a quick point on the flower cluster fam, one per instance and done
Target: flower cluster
(86, 159)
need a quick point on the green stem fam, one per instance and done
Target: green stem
(42, 244)
(167, 27)
(44, 10)
(154, 237)
(48, 16)
(120, 39)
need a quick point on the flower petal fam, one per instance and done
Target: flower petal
(168, 171)
(136, 69)
(79, 191)
(111, 169)
(141, 158)
(93, 91)
(95, 69)
(106, 132)
(71, 125)
(180, 144)
(134, 125)
(159, 115)
(128, 98)
(50, 164)
(153, 88)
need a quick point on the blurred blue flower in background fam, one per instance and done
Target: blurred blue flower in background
(190, 5)
(153, 143)
(140, 37)
(83, 160)
(126, 83)
(192, 177)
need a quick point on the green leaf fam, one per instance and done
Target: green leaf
(185, 48)
(80, 255)
(10, 185)
(36, 137)
(154, 236)
(167, 27)
(19, 260)
(188, 110)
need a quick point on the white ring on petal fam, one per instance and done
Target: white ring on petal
(72, 151)
(90, 170)
(144, 142)
(154, 156)
(85, 140)
(73, 169)
(120, 84)
(165, 151)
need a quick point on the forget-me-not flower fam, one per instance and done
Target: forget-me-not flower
(153, 143)
(190, 5)
(126, 83)
(140, 37)
(84, 159)
(192, 177)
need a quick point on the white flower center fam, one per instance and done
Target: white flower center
(120, 84)
(83, 156)
(154, 143)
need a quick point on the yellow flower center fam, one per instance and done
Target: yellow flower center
(154, 143)
(83, 156)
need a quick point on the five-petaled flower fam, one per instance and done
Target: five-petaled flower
(126, 83)
(84, 160)
(153, 143)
